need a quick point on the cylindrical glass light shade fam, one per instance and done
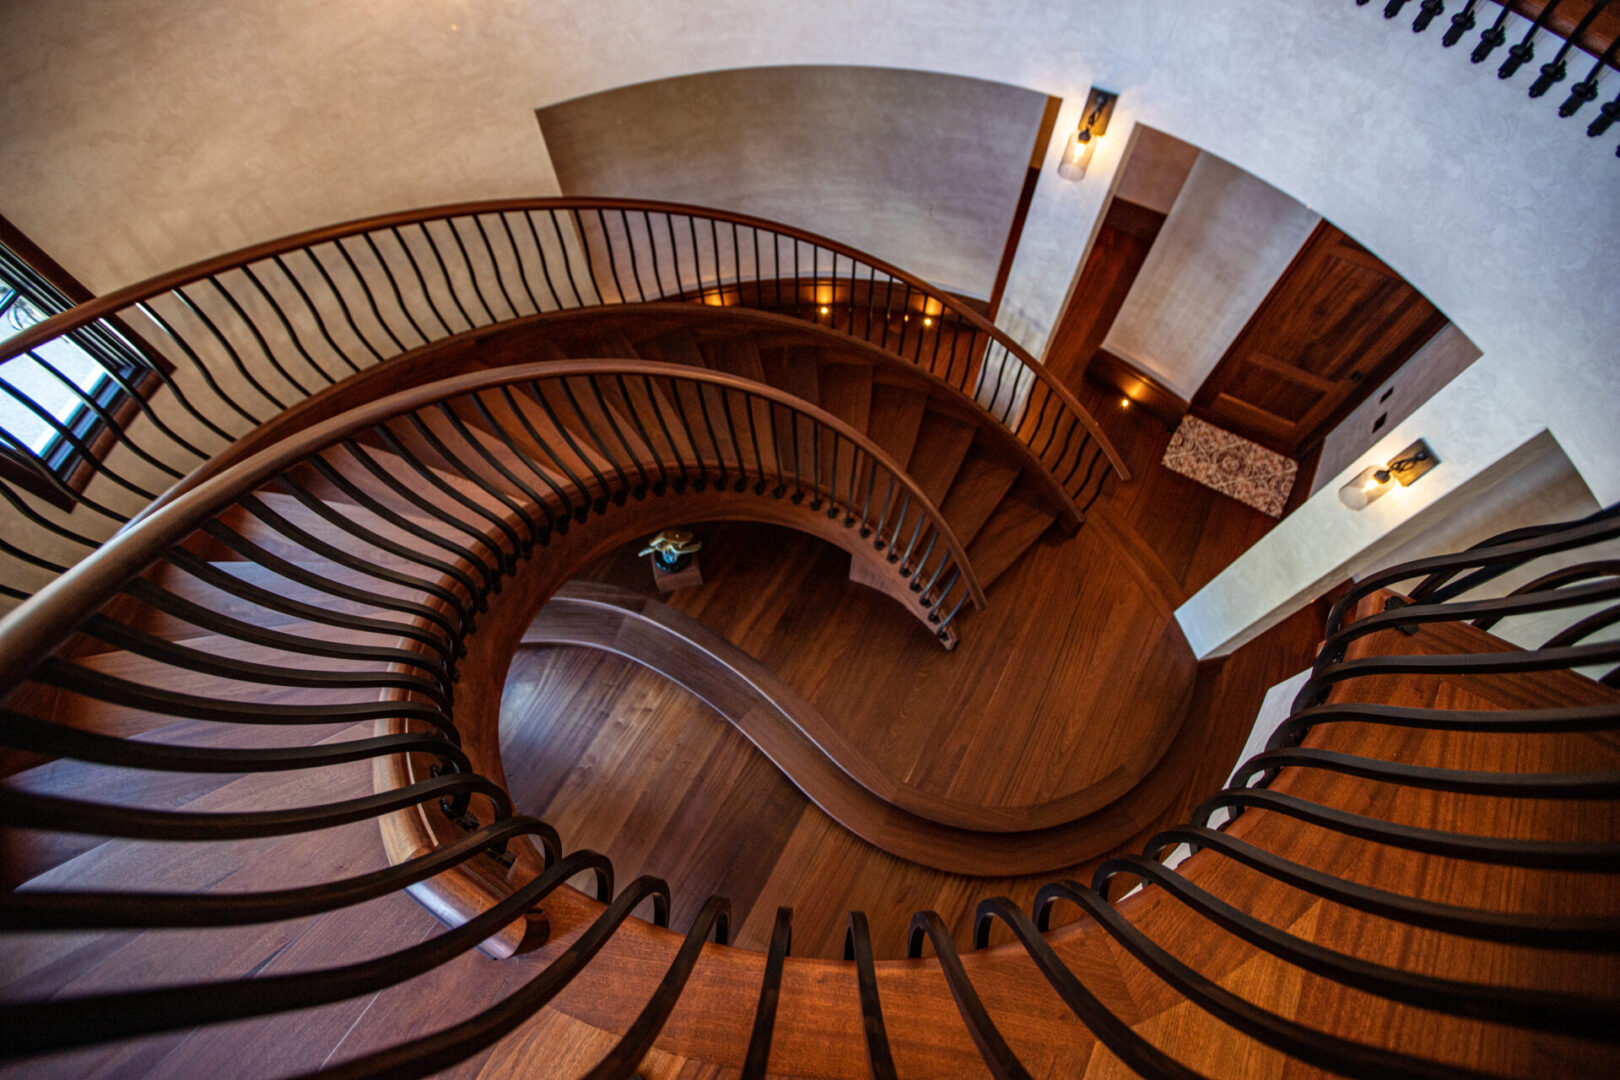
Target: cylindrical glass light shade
(1369, 485)
(1076, 155)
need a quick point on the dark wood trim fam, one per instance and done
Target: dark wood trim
(1303, 319)
(1124, 239)
(14, 471)
(1141, 388)
(1032, 176)
(47, 267)
(78, 469)
(1304, 478)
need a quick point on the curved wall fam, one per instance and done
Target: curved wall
(156, 132)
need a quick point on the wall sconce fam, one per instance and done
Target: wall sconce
(1093, 125)
(1374, 481)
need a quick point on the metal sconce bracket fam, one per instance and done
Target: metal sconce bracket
(1099, 109)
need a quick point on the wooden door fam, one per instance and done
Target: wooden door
(1336, 325)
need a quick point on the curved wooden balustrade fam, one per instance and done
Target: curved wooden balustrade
(238, 339)
(916, 825)
(1419, 881)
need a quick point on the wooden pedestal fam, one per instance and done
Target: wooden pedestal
(680, 579)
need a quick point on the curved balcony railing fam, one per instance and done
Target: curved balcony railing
(1565, 36)
(1415, 732)
(235, 340)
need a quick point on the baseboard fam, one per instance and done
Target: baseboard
(1142, 389)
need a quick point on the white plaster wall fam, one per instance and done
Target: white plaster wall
(149, 132)
(1227, 239)
(926, 169)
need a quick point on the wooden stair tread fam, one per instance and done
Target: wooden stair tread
(737, 356)
(1017, 522)
(793, 368)
(937, 454)
(895, 415)
(980, 484)
(675, 346)
(846, 392)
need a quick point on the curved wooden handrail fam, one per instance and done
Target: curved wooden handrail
(471, 345)
(39, 625)
(943, 833)
(1312, 978)
(111, 304)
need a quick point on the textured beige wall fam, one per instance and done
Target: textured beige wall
(925, 169)
(149, 132)
(1446, 356)
(1228, 238)
(1153, 173)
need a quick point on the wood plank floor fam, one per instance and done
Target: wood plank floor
(1075, 674)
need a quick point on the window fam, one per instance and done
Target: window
(53, 397)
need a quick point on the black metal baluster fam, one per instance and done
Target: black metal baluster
(998, 1056)
(258, 337)
(453, 462)
(1461, 23)
(753, 436)
(90, 401)
(907, 567)
(613, 263)
(466, 260)
(674, 256)
(444, 645)
(342, 302)
(392, 443)
(640, 490)
(1428, 11)
(362, 457)
(798, 455)
(494, 266)
(366, 501)
(1587, 89)
(659, 486)
(1525, 50)
(537, 533)
(627, 1053)
(635, 262)
(433, 305)
(340, 557)
(287, 326)
(230, 350)
(553, 523)
(545, 264)
(517, 257)
(758, 1058)
(578, 513)
(568, 264)
(315, 313)
(858, 947)
(68, 435)
(1492, 38)
(339, 518)
(697, 261)
(669, 440)
(622, 493)
(719, 453)
(606, 488)
(393, 284)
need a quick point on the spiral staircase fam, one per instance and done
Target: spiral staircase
(255, 819)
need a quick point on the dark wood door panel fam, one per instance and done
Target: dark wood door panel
(1337, 324)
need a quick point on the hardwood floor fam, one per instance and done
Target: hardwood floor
(1076, 678)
